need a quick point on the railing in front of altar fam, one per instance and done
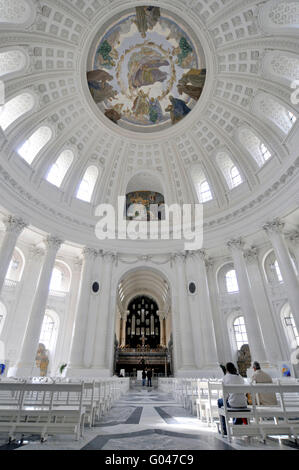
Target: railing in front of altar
(141, 350)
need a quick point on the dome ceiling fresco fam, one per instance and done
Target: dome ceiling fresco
(146, 70)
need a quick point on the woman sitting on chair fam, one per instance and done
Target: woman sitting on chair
(234, 400)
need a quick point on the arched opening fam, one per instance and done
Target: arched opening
(87, 185)
(143, 324)
(290, 327)
(61, 278)
(14, 109)
(16, 268)
(47, 342)
(59, 169)
(239, 341)
(227, 279)
(201, 184)
(272, 268)
(35, 143)
(145, 198)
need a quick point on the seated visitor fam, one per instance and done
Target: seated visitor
(234, 400)
(260, 377)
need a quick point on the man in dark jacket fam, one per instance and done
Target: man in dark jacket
(149, 378)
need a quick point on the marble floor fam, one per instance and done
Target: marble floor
(146, 419)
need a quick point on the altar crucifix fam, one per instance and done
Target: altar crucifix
(143, 341)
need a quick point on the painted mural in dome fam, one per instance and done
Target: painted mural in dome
(144, 205)
(146, 70)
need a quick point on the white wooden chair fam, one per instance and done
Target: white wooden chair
(36, 411)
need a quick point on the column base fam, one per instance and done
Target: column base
(83, 372)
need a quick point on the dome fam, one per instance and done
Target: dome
(235, 152)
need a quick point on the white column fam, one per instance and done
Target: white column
(124, 316)
(251, 321)
(14, 227)
(26, 363)
(64, 352)
(207, 324)
(293, 238)
(92, 311)
(186, 332)
(265, 317)
(24, 303)
(78, 341)
(220, 325)
(274, 231)
(162, 317)
(99, 358)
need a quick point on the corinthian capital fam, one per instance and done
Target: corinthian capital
(294, 237)
(180, 257)
(89, 252)
(110, 257)
(209, 262)
(236, 244)
(14, 224)
(202, 254)
(251, 255)
(275, 226)
(53, 243)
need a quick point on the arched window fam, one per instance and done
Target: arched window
(240, 332)
(29, 150)
(231, 281)
(201, 184)
(290, 326)
(267, 106)
(12, 62)
(229, 170)
(277, 271)
(49, 330)
(205, 194)
(266, 154)
(16, 266)
(56, 280)
(61, 278)
(87, 184)
(15, 108)
(235, 176)
(58, 171)
(3, 313)
(272, 268)
(254, 146)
